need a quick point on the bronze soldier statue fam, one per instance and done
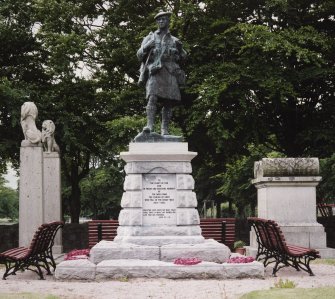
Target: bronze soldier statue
(160, 53)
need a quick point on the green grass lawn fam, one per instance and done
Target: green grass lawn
(324, 261)
(275, 293)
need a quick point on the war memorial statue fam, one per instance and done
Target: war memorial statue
(160, 54)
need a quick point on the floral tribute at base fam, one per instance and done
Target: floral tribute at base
(187, 261)
(77, 254)
(241, 260)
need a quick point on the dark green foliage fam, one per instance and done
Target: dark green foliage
(259, 73)
(326, 189)
(102, 192)
(9, 202)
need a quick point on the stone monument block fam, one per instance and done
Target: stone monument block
(185, 182)
(159, 205)
(186, 216)
(286, 193)
(133, 182)
(31, 205)
(131, 199)
(130, 217)
(186, 199)
(52, 193)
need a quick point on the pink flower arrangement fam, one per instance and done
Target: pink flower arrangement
(240, 260)
(187, 261)
(77, 254)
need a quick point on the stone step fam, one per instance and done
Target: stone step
(210, 251)
(132, 268)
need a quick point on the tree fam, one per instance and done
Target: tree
(326, 188)
(9, 201)
(21, 72)
(259, 72)
(102, 192)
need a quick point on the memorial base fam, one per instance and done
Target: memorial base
(209, 250)
(134, 268)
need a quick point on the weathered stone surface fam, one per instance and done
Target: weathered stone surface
(29, 113)
(277, 167)
(159, 205)
(130, 217)
(109, 250)
(159, 196)
(189, 230)
(52, 201)
(286, 193)
(133, 182)
(131, 199)
(187, 216)
(48, 137)
(157, 269)
(159, 240)
(158, 151)
(298, 225)
(31, 192)
(76, 269)
(185, 182)
(158, 167)
(210, 251)
(186, 199)
(248, 270)
(143, 148)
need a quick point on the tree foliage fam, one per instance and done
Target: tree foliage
(258, 72)
(9, 201)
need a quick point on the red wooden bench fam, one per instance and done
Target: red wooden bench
(325, 210)
(219, 229)
(272, 248)
(38, 255)
(101, 230)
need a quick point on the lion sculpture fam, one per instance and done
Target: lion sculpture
(28, 116)
(48, 138)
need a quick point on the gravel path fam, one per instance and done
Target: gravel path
(163, 288)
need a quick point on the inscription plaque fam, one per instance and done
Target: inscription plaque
(159, 193)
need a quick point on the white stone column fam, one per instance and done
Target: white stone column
(52, 193)
(30, 191)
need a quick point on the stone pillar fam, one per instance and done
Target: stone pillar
(159, 205)
(52, 194)
(30, 191)
(286, 193)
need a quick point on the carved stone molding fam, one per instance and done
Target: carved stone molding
(281, 167)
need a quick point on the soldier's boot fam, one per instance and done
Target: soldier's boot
(166, 116)
(151, 112)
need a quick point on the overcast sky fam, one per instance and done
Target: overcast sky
(11, 178)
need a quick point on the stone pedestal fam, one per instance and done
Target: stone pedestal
(159, 220)
(286, 193)
(159, 205)
(52, 193)
(31, 206)
(291, 202)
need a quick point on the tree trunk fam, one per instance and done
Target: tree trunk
(218, 209)
(230, 207)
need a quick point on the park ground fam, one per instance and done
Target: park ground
(27, 285)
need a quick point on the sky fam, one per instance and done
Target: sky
(11, 177)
